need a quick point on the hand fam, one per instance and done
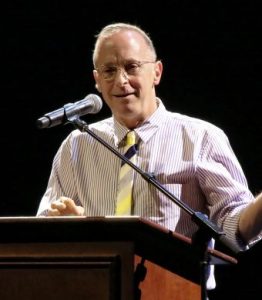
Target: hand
(250, 222)
(65, 207)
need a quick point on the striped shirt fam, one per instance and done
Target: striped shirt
(191, 158)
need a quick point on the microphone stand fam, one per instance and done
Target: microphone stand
(206, 230)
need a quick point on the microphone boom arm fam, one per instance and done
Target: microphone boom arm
(207, 229)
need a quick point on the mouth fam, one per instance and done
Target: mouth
(124, 96)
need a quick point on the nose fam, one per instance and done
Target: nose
(121, 75)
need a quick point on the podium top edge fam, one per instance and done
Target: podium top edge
(154, 227)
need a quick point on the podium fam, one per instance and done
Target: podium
(98, 258)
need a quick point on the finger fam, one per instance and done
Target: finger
(58, 205)
(69, 203)
(53, 212)
(71, 207)
(80, 210)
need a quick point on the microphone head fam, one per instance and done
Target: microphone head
(91, 104)
(96, 102)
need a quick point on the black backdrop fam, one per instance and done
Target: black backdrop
(212, 59)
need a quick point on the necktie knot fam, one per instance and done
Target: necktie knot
(130, 138)
(130, 146)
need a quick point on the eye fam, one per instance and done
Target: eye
(132, 68)
(109, 70)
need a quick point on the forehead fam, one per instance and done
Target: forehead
(123, 45)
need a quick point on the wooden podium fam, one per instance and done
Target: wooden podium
(103, 258)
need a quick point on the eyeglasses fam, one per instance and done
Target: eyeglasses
(133, 68)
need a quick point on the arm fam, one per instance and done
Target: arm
(61, 183)
(250, 222)
(224, 184)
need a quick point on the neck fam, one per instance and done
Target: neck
(136, 120)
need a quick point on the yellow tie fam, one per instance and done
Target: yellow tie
(126, 177)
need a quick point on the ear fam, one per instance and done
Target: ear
(96, 77)
(98, 88)
(158, 72)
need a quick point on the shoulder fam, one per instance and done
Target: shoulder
(102, 128)
(194, 125)
(105, 125)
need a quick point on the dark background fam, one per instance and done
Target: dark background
(212, 70)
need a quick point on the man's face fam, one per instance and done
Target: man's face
(126, 76)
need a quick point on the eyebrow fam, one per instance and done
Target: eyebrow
(131, 60)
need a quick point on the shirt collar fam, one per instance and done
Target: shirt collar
(120, 132)
(152, 124)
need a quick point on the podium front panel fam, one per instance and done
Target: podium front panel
(42, 271)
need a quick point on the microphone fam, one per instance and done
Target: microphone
(91, 104)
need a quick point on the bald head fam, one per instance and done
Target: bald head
(112, 29)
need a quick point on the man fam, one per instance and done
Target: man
(189, 157)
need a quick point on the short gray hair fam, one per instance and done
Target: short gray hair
(116, 27)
